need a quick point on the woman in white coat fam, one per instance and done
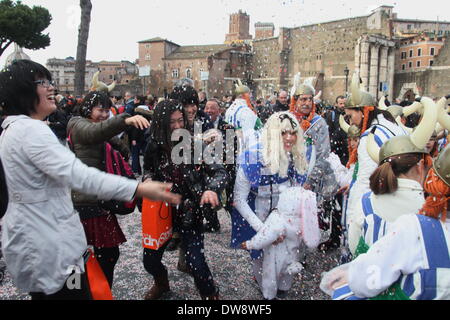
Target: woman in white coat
(43, 240)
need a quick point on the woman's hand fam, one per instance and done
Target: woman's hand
(211, 198)
(244, 245)
(157, 191)
(138, 122)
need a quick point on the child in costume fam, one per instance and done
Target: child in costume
(295, 220)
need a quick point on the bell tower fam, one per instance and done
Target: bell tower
(239, 28)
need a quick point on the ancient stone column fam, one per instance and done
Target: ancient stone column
(357, 57)
(364, 64)
(391, 72)
(373, 77)
(383, 67)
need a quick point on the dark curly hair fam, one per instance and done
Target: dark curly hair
(185, 95)
(160, 127)
(94, 99)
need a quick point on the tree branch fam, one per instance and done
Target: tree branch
(2, 49)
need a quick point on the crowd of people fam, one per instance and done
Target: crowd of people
(372, 176)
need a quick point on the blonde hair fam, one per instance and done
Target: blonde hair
(274, 155)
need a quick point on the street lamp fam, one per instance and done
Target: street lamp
(346, 72)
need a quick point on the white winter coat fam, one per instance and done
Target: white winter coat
(42, 236)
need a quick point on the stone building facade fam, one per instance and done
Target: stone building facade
(322, 52)
(120, 71)
(63, 73)
(264, 30)
(213, 68)
(418, 52)
(432, 81)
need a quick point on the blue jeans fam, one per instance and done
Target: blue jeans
(193, 243)
(135, 162)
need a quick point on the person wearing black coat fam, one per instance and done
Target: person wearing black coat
(57, 121)
(338, 138)
(198, 183)
(212, 109)
(282, 103)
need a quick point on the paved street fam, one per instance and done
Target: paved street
(230, 268)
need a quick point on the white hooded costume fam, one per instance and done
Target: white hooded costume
(296, 220)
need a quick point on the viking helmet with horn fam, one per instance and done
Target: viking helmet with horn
(352, 131)
(442, 165)
(382, 104)
(296, 84)
(414, 143)
(241, 88)
(100, 86)
(443, 116)
(305, 89)
(359, 98)
(397, 113)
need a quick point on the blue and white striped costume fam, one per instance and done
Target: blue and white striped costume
(256, 189)
(383, 130)
(374, 226)
(430, 259)
(240, 116)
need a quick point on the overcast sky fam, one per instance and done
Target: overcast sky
(118, 25)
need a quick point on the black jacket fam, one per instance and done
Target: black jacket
(278, 107)
(189, 180)
(338, 138)
(58, 123)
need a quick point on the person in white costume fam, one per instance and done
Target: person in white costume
(362, 112)
(346, 175)
(279, 160)
(412, 261)
(295, 220)
(243, 117)
(396, 185)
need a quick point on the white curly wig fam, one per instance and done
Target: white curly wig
(274, 155)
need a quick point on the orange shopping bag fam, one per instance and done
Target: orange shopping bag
(156, 223)
(98, 284)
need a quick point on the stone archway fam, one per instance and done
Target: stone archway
(409, 95)
(408, 87)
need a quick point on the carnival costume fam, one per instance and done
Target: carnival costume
(242, 116)
(263, 169)
(423, 270)
(295, 218)
(383, 130)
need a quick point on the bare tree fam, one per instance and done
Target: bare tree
(83, 35)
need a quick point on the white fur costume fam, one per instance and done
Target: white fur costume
(295, 219)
